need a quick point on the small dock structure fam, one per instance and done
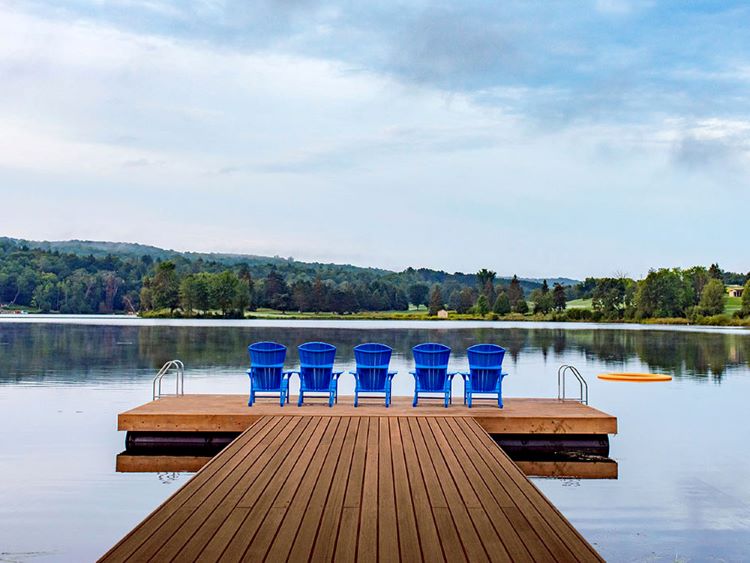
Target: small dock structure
(315, 483)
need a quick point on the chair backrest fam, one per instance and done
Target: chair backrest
(372, 365)
(267, 363)
(316, 365)
(431, 365)
(485, 365)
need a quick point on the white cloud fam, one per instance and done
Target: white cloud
(195, 146)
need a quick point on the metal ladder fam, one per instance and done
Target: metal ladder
(584, 387)
(175, 367)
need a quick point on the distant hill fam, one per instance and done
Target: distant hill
(260, 265)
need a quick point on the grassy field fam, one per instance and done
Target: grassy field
(732, 304)
(580, 304)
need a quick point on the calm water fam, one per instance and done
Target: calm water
(684, 460)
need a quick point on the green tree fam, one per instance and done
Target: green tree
(46, 296)
(418, 294)
(662, 293)
(482, 307)
(712, 298)
(165, 287)
(746, 298)
(542, 300)
(559, 299)
(224, 290)
(715, 272)
(502, 304)
(485, 276)
(609, 297)
(521, 307)
(436, 300)
(195, 292)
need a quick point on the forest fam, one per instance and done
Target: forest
(79, 277)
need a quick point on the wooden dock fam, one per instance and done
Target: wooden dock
(427, 486)
(230, 413)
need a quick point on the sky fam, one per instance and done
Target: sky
(539, 138)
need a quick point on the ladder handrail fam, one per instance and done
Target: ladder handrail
(584, 387)
(178, 368)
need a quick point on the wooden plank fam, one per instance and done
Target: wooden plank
(429, 538)
(532, 526)
(230, 413)
(346, 544)
(314, 484)
(358, 488)
(532, 500)
(514, 543)
(192, 516)
(324, 547)
(196, 532)
(219, 466)
(304, 539)
(407, 526)
(474, 547)
(258, 515)
(388, 544)
(499, 536)
(367, 543)
(451, 543)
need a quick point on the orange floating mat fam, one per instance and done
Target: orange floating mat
(640, 377)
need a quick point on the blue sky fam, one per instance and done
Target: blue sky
(538, 138)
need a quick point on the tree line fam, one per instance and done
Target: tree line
(54, 281)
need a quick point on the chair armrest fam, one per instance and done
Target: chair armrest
(289, 373)
(452, 374)
(336, 374)
(391, 374)
(464, 374)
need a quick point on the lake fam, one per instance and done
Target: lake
(682, 491)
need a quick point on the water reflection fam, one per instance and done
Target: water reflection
(77, 353)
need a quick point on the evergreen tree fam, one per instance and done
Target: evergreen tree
(545, 287)
(715, 272)
(482, 307)
(515, 292)
(436, 300)
(746, 298)
(559, 299)
(521, 307)
(502, 304)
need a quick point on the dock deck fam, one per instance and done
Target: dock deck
(370, 485)
(230, 413)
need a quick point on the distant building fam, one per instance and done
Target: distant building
(442, 314)
(734, 291)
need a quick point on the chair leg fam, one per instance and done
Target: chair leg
(252, 398)
(416, 399)
(468, 399)
(356, 397)
(301, 398)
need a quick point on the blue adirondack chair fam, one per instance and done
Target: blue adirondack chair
(431, 371)
(372, 375)
(485, 375)
(316, 373)
(266, 371)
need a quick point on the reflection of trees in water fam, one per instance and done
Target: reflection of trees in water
(78, 353)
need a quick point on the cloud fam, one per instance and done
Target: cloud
(455, 137)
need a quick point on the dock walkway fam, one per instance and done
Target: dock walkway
(367, 488)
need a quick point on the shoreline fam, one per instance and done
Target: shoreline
(350, 322)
